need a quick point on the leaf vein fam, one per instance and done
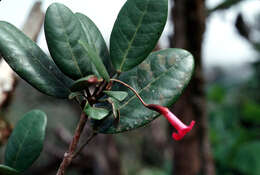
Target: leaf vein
(68, 43)
(148, 85)
(134, 36)
(35, 58)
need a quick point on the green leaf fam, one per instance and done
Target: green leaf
(159, 80)
(95, 113)
(6, 170)
(136, 31)
(31, 63)
(26, 141)
(84, 83)
(63, 31)
(119, 95)
(96, 60)
(95, 39)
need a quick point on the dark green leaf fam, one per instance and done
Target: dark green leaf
(136, 32)
(6, 170)
(119, 95)
(63, 31)
(84, 83)
(159, 80)
(26, 141)
(95, 113)
(95, 39)
(96, 60)
(31, 63)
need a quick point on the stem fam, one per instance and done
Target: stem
(99, 89)
(132, 89)
(88, 92)
(84, 144)
(68, 156)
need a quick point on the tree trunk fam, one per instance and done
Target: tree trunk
(192, 155)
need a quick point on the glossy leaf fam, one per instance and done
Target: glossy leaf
(95, 39)
(159, 80)
(84, 83)
(96, 60)
(63, 31)
(136, 31)
(95, 113)
(6, 170)
(26, 141)
(31, 63)
(119, 95)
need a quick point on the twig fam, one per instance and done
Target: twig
(88, 92)
(84, 144)
(68, 156)
(132, 89)
(100, 90)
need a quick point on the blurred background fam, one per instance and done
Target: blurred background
(223, 96)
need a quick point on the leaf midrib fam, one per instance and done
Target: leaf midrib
(69, 44)
(35, 58)
(139, 92)
(93, 43)
(21, 145)
(134, 36)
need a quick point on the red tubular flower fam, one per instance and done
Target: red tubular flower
(181, 128)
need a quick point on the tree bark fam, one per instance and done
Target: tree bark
(192, 155)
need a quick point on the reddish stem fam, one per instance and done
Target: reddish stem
(132, 89)
(181, 128)
(68, 156)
